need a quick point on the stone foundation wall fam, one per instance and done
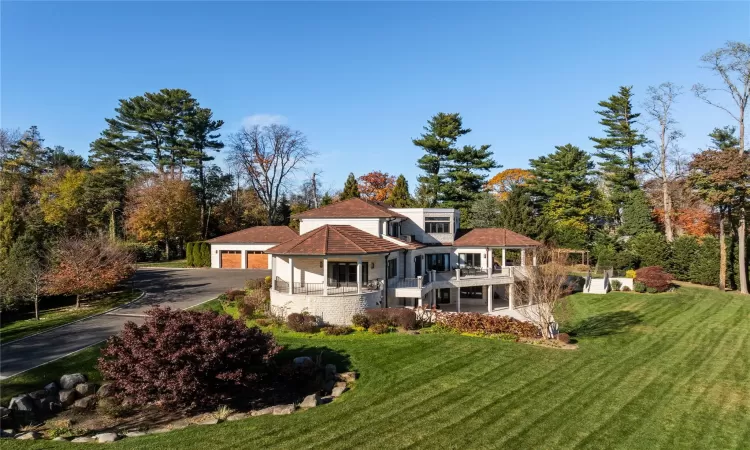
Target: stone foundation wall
(332, 309)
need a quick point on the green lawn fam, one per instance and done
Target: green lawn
(53, 315)
(175, 263)
(652, 371)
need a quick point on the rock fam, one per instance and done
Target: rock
(348, 376)
(67, 397)
(262, 412)
(330, 371)
(85, 402)
(283, 410)
(311, 401)
(71, 380)
(237, 416)
(49, 405)
(60, 438)
(105, 390)
(106, 437)
(338, 390)
(326, 399)
(38, 395)
(135, 434)
(179, 424)
(303, 361)
(83, 440)
(4, 412)
(30, 436)
(328, 387)
(22, 403)
(159, 430)
(86, 389)
(208, 421)
(6, 433)
(52, 388)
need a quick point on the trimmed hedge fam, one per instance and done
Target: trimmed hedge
(198, 254)
(392, 317)
(483, 324)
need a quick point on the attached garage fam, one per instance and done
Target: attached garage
(245, 249)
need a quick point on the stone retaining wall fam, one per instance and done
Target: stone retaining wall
(331, 309)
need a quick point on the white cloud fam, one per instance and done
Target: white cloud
(263, 120)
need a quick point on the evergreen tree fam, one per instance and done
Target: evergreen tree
(400, 197)
(620, 164)
(201, 133)
(517, 213)
(684, 251)
(650, 249)
(326, 200)
(205, 249)
(466, 174)
(637, 216)
(438, 141)
(724, 138)
(351, 188)
(484, 212)
(189, 261)
(284, 212)
(705, 268)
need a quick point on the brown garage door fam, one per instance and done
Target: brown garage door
(257, 260)
(231, 259)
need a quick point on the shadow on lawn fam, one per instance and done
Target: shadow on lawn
(605, 324)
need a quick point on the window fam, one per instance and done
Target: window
(437, 224)
(440, 262)
(443, 295)
(391, 270)
(231, 252)
(394, 229)
(345, 273)
(471, 292)
(471, 259)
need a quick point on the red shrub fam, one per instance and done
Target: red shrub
(186, 359)
(394, 317)
(482, 323)
(564, 338)
(654, 277)
(302, 322)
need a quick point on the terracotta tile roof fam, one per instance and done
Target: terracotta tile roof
(335, 240)
(257, 235)
(353, 208)
(492, 237)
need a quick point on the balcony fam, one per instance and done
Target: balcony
(467, 276)
(338, 288)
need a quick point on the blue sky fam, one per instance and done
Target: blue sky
(361, 79)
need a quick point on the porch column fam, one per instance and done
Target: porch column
(534, 258)
(291, 275)
(273, 272)
(243, 263)
(325, 275)
(359, 274)
(419, 303)
(458, 300)
(490, 292)
(490, 263)
(502, 263)
(523, 257)
(511, 288)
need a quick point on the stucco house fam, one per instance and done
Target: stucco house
(245, 249)
(357, 254)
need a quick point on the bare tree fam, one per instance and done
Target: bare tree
(732, 64)
(542, 289)
(269, 156)
(666, 163)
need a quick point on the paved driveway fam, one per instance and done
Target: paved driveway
(176, 288)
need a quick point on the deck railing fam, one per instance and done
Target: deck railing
(334, 288)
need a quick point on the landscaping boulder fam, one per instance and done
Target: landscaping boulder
(86, 389)
(71, 380)
(134, 434)
(85, 403)
(67, 397)
(60, 438)
(208, 421)
(22, 403)
(328, 386)
(105, 390)
(38, 395)
(262, 412)
(311, 401)
(6, 433)
(338, 389)
(330, 371)
(83, 440)
(52, 388)
(4, 414)
(106, 437)
(237, 416)
(49, 405)
(283, 410)
(303, 361)
(348, 376)
(30, 436)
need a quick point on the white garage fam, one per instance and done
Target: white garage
(245, 249)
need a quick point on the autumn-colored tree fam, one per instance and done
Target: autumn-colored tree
(162, 208)
(85, 266)
(61, 199)
(504, 182)
(376, 185)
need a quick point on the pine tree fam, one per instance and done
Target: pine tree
(189, 261)
(201, 133)
(351, 188)
(620, 165)
(326, 200)
(637, 215)
(441, 133)
(466, 175)
(400, 197)
(517, 213)
(283, 212)
(724, 138)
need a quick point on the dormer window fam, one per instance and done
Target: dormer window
(436, 225)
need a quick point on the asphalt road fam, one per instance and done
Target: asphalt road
(175, 288)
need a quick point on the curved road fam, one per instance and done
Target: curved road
(176, 288)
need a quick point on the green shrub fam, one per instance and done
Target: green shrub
(252, 302)
(302, 322)
(144, 252)
(379, 328)
(651, 290)
(639, 287)
(361, 320)
(615, 284)
(685, 250)
(189, 254)
(205, 254)
(197, 261)
(704, 268)
(650, 248)
(336, 330)
(625, 289)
